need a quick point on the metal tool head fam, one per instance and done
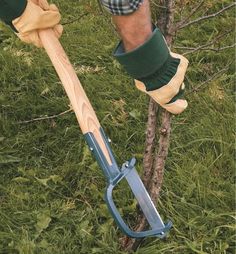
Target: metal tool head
(114, 175)
(158, 228)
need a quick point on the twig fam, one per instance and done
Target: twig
(195, 89)
(207, 17)
(184, 20)
(100, 6)
(74, 20)
(45, 117)
(216, 39)
(157, 5)
(223, 48)
(203, 48)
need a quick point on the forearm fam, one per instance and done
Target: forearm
(11, 9)
(134, 29)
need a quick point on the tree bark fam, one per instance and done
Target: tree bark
(154, 159)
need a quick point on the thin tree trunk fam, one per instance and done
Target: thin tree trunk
(150, 142)
(154, 159)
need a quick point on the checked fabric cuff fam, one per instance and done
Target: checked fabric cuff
(121, 7)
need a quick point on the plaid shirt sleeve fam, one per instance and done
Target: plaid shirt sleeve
(121, 7)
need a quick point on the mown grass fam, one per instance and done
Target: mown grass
(51, 189)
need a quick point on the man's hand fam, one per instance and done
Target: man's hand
(38, 14)
(170, 95)
(157, 71)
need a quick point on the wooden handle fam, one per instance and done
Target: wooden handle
(80, 103)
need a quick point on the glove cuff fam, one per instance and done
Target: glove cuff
(11, 9)
(150, 63)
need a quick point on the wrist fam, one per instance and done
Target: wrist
(145, 60)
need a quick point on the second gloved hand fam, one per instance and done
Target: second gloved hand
(37, 15)
(157, 71)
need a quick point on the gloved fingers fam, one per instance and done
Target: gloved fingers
(34, 1)
(41, 3)
(56, 16)
(176, 107)
(30, 38)
(168, 91)
(51, 15)
(37, 15)
(33, 36)
(45, 5)
(47, 19)
(164, 94)
(58, 29)
(53, 7)
(35, 18)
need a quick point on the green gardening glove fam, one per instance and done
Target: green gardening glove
(157, 71)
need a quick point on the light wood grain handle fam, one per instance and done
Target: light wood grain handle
(80, 103)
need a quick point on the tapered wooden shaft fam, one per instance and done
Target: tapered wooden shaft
(84, 112)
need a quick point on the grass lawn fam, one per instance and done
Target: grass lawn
(51, 188)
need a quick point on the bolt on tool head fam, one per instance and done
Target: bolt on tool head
(114, 175)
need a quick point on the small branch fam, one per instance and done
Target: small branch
(223, 48)
(45, 117)
(74, 20)
(202, 48)
(195, 89)
(213, 15)
(100, 6)
(186, 19)
(157, 5)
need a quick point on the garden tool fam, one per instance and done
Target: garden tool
(99, 144)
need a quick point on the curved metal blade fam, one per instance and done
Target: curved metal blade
(144, 200)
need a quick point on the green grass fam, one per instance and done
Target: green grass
(51, 189)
